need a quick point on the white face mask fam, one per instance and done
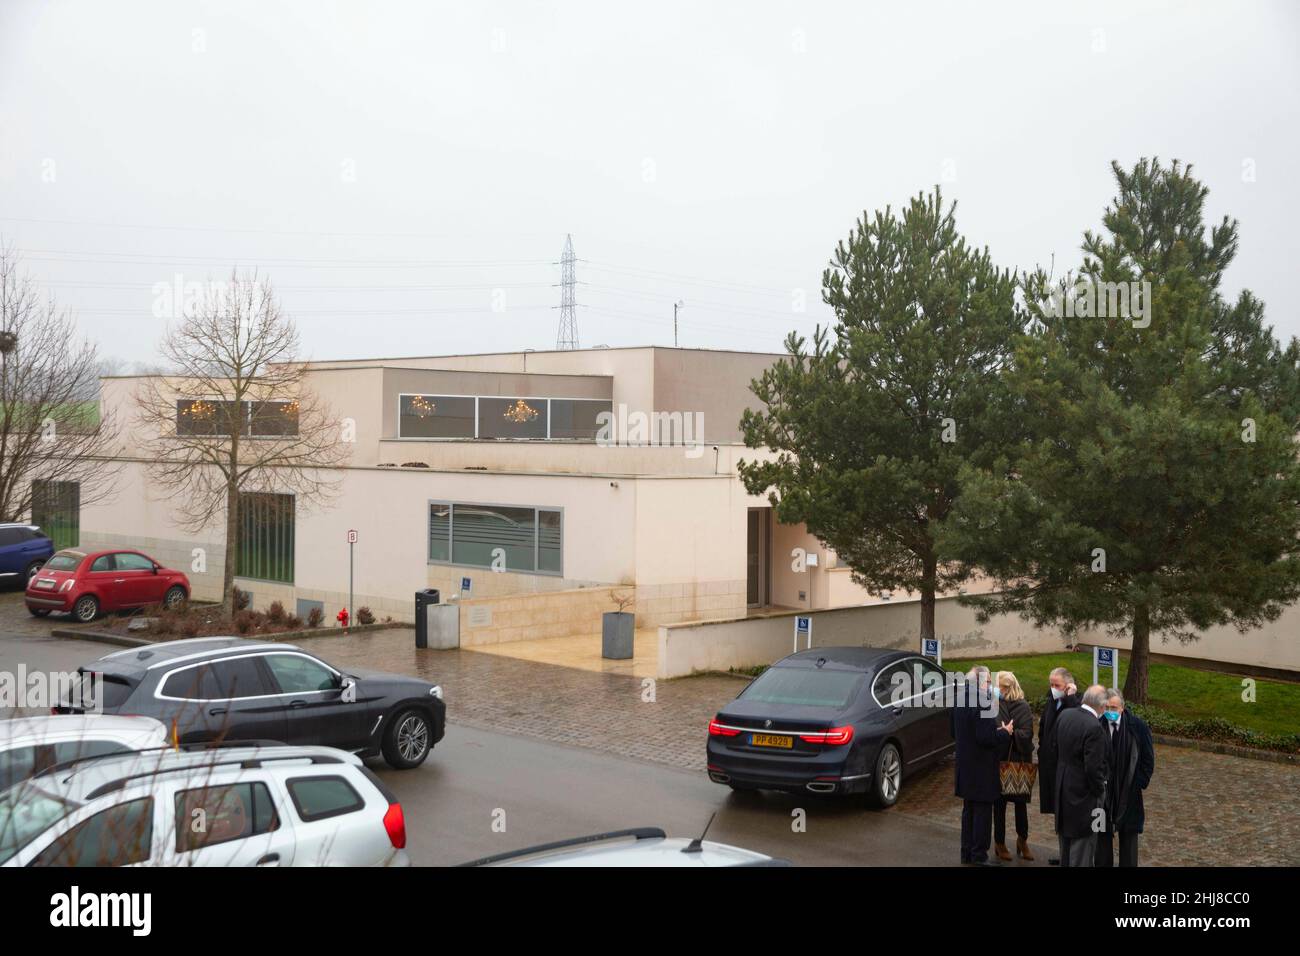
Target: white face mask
(1057, 693)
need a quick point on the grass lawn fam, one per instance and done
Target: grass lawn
(1182, 691)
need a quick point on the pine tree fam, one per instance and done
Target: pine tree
(869, 429)
(1155, 486)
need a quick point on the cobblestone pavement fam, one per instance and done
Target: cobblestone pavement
(1203, 809)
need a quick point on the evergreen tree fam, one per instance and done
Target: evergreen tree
(869, 429)
(1155, 486)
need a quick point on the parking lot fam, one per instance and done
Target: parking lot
(562, 749)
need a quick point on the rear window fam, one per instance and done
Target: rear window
(804, 687)
(88, 692)
(317, 798)
(65, 561)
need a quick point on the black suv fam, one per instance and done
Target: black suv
(230, 688)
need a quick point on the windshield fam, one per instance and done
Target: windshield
(64, 561)
(805, 687)
(26, 813)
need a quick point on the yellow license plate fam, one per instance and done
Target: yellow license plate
(771, 740)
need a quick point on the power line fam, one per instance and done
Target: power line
(567, 337)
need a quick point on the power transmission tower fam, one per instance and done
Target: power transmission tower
(568, 334)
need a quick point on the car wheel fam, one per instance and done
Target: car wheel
(407, 740)
(887, 780)
(34, 569)
(86, 609)
(174, 597)
(39, 611)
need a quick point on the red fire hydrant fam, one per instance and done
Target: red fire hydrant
(343, 618)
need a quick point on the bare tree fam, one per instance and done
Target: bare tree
(237, 415)
(52, 432)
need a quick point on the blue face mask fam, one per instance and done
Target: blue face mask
(1112, 716)
(997, 693)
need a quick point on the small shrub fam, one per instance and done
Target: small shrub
(365, 616)
(314, 617)
(293, 623)
(245, 621)
(275, 613)
(242, 599)
(190, 627)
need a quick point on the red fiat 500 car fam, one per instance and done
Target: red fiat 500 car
(85, 583)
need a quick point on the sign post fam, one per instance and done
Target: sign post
(932, 647)
(802, 628)
(352, 544)
(1105, 657)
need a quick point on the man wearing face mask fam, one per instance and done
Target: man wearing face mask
(1132, 761)
(1062, 696)
(981, 737)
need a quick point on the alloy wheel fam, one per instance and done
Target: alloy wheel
(412, 737)
(891, 775)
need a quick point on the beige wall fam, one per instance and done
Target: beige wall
(691, 647)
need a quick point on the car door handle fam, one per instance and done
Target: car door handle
(271, 859)
(216, 711)
(297, 703)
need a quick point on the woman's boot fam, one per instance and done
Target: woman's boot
(1022, 848)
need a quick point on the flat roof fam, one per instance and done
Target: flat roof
(605, 348)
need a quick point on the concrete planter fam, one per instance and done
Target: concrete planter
(616, 630)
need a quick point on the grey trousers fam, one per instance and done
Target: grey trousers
(1078, 851)
(1128, 848)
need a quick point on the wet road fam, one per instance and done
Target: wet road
(483, 792)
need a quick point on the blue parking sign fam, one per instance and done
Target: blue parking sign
(1105, 657)
(802, 629)
(932, 648)
(465, 584)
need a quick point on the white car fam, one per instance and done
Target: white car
(643, 846)
(224, 806)
(29, 745)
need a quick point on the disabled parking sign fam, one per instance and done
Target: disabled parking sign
(932, 648)
(1105, 657)
(802, 629)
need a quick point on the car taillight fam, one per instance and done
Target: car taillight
(395, 824)
(717, 730)
(835, 737)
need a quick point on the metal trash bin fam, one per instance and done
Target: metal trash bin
(423, 600)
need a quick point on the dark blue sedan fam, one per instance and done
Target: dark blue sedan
(834, 720)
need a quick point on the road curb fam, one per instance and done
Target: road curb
(113, 637)
(1228, 750)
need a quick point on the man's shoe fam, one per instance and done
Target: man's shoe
(985, 863)
(1022, 848)
(1053, 861)
(1001, 850)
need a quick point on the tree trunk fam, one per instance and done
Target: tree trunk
(929, 577)
(232, 548)
(1135, 684)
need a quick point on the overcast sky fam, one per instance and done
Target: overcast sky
(406, 172)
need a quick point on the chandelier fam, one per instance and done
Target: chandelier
(200, 409)
(421, 407)
(520, 412)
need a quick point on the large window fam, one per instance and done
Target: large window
(500, 537)
(499, 417)
(56, 509)
(436, 416)
(256, 419)
(266, 524)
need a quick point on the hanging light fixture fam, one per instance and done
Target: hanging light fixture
(520, 412)
(421, 407)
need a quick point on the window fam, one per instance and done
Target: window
(512, 417)
(435, 416)
(219, 418)
(804, 687)
(118, 836)
(129, 561)
(576, 418)
(17, 764)
(56, 507)
(317, 798)
(238, 678)
(266, 523)
(105, 562)
(219, 814)
(192, 683)
(24, 762)
(67, 561)
(508, 537)
(300, 675)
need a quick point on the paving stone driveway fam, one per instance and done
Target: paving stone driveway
(1203, 809)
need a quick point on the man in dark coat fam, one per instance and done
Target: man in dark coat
(1132, 761)
(1081, 773)
(1061, 696)
(980, 741)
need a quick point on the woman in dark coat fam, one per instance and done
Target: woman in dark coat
(1013, 707)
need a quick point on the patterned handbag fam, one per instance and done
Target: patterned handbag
(1017, 778)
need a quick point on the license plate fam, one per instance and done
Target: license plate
(771, 740)
(45, 585)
